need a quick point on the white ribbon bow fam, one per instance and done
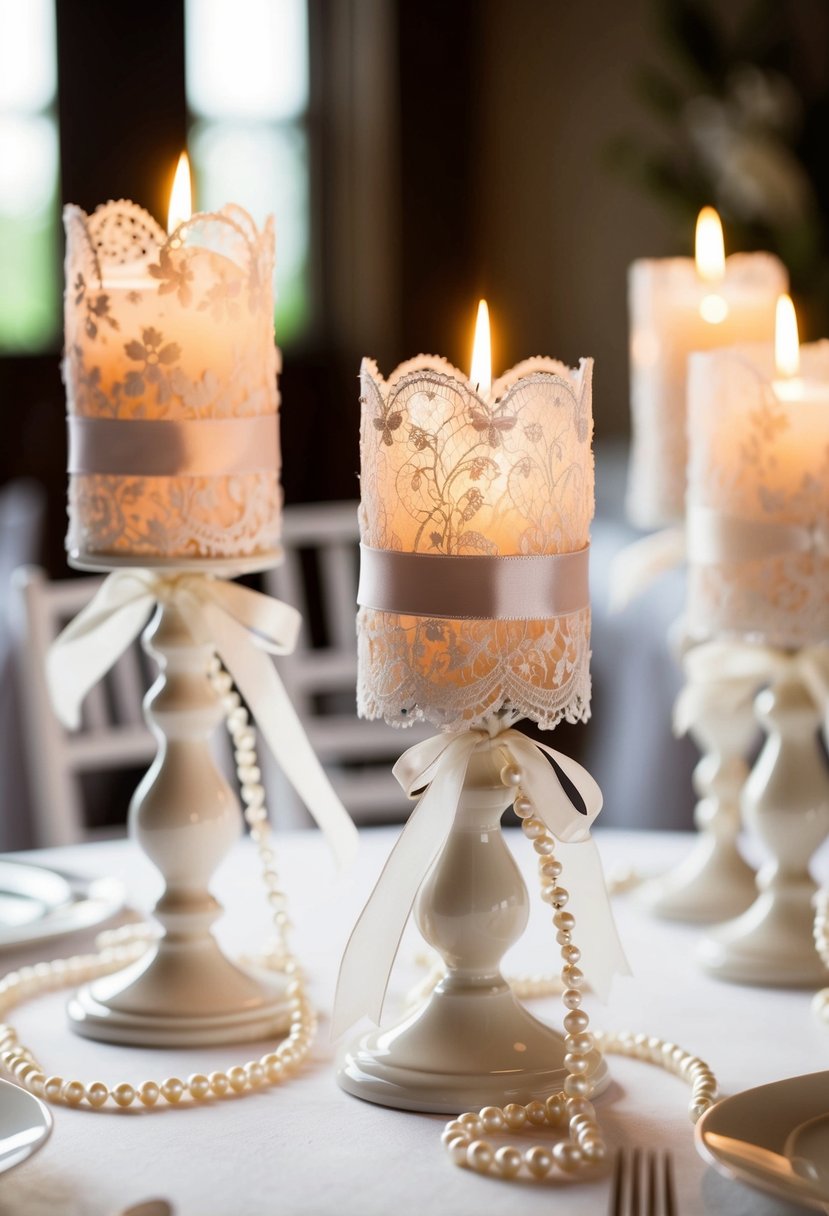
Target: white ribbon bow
(440, 764)
(741, 669)
(240, 624)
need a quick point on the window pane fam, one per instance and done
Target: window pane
(29, 303)
(247, 58)
(264, 169)
(28, 65)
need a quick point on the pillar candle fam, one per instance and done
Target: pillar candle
(758, 496)
(676, 309)
(458, 469)
(170, 370)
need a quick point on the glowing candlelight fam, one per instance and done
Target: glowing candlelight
(181, 196)
(710, 262)
(481, 373)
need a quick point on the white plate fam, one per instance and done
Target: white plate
(25, 1125)
(775, 1137)
(37, 904)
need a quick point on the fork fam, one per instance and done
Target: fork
(646, 1181)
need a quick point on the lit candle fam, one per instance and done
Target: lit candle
(680, 305)
(789, 384)
(455, 466)
(171, 335)
(758, 489)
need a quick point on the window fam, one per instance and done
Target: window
(247, 90)
(29, 166)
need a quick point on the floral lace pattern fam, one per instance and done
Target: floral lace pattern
(664, 299)
(445, 470)
(759, 458)
(175, 328)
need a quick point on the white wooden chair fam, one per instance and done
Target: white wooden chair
(112, 734)
(319, 577)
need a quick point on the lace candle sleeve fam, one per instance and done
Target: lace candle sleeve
(669, 305)
(171, 382)
(447, 472)
(758, 497)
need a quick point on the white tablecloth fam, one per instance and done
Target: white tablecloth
(308, 1149)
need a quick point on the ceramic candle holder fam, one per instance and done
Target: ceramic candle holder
(758, 502)
(170, 371)
(474, 612)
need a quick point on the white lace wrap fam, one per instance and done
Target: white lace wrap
(759, 469)
(665, 327)
(173, 329)
(447, 471)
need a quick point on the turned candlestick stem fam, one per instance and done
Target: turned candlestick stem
(713, 883)
(471, 1042)
(184, 991)
(786, 804)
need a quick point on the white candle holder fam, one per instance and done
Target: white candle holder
(474, 613)
(471, 1042)
(184, 992)
(786, 804)
(714, 882)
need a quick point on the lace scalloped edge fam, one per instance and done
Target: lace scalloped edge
(575, 709)
(577, 379)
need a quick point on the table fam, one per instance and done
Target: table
(308, 1149)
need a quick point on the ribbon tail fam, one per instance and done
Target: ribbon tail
(92, 643)
(258, 681)
(546, 792)
(602, 953)
(641, 563)
(372, 947)
(276, 625)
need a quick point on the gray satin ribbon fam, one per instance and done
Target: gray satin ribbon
(199, 447)
(474, 587)
(715, 537)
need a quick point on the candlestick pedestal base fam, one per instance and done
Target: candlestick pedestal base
(183, 992)
(465, 1048)
(214, 1003)
(713, 883)
(471, 1043)
(786, 802)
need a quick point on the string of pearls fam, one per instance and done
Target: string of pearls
(120, 947)
(820, 1004)
(570, 1112)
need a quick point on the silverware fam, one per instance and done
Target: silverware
(643, 1184)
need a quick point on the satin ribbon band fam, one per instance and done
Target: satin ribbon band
(474, 586)
(714, 537)
(710, 538)
(240, 624)
(194, 447)
(440, 764)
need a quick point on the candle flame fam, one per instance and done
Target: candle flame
(710, 247)
(181, 195)
(481, 373)
(786, 341)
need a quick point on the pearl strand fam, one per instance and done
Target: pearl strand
(569, 1111)
(118, 948)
